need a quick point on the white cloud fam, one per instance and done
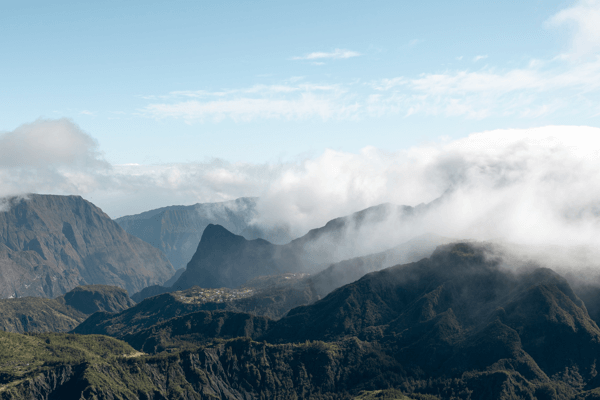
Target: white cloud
(299, 101)
(537, 186)
(48, 143)
(50, 156)
(538, 89)
(336, 54)
(584, 21)
(477, 58)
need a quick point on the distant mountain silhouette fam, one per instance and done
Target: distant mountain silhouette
(51, 244)
(176, 230)
(223, 259)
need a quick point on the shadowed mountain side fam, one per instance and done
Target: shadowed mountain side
(457, 322)
(200, 326)
(93, 298)
(62, 314)
(348, 271)
(286, 289)
(176, 230)
(463, 277)
(461, 324)
(227, 260)
(51, 244)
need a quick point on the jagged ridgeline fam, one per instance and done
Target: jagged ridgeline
(461, 324)
(224, 259)
(176, 230)
(51, 244)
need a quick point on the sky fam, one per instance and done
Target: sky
(319, 108)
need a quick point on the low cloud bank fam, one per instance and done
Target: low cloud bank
(537, 186)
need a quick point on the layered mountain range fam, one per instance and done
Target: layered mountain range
(223, 259)
(176, 230)
(51, 244)
(316, 318)
(457, 325)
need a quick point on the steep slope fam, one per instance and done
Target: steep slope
(62, 314)
(223, 259)
(176, 230)
(227, 260)
(51, 244)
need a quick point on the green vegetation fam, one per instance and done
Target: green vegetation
(455, 326)
(62, 314)
(35, 314)
(392, 394)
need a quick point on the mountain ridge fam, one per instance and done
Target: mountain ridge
(50, 244)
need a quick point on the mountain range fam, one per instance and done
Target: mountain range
(223, 259)
(176, 230)
(329, 315)
(460, 324)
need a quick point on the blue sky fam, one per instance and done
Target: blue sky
(320, 108)
(158, 82)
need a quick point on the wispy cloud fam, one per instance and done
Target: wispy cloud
(336, 54)
(287, 101)
(584, 21)
(536, 89)
(566, 84)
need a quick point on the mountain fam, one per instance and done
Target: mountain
(347, 271)
(176, 230)
(51, 244)
(461, 324)
(62, 314)
(224, 259)
(275, 295)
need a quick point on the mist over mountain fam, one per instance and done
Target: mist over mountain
(51, 244)
(224, 259)
(176, 230)
(466, 323)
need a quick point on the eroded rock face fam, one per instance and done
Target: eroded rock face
(51, 244)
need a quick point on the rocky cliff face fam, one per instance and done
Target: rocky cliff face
(51, 244)
(176, 230)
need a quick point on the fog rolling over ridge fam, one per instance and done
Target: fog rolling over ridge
(537, 186)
